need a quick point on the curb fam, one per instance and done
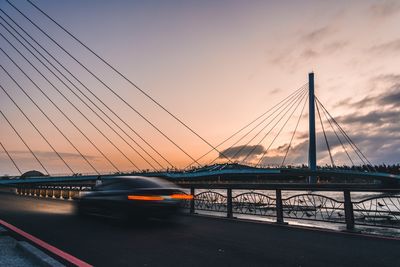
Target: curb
(71, 260)
(32, 253)
(37, 255)
(3, 231)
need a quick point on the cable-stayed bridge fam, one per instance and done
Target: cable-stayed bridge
(67, 122)
(51, 96)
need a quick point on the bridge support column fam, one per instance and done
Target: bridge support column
(312, 151)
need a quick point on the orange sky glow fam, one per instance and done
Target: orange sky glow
(216, 65)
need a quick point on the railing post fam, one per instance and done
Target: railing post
(348, 210)
(229, 209)
(192, 192)
(279, 206)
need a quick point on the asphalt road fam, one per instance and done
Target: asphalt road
(192, 240)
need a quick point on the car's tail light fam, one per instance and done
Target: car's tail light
(182, 196)
(145, 198)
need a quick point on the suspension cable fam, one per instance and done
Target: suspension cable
(59, 109)
(253, 121)
(287, 108)
(352, 144)
(279, 132)
(69, 101)
(12, 160)
(326, 139)
(282, 107)
(50, 120)
(36, 128)
(125, 78)
(113, 91)
(348, 139)
(294, 133)
(23, 141)
(337, 136)
(87, 89)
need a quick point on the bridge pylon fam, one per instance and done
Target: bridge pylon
(312, 151)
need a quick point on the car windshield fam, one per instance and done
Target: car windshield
(133, 183)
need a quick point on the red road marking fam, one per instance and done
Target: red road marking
(46, 246)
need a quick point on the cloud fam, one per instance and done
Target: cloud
(384, 9)
(238, 152)
(275, 91)
(379, 145)
(318, 34)
(309, 54)
(48, 155)
(293, 56)
(374, 126)
(373, 117)
(379, 142)
(388, 47)
(388, 96)
(392, 78)
(391, 98)
(335, 46)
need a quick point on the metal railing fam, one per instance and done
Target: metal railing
(349, 204)
(370, 206)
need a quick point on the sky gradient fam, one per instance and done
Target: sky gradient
(216, 65)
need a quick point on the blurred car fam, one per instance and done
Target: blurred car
(127, 197)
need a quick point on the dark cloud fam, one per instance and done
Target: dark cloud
(377, 131)
(373, 117)
(297, 155)
(374, 127)
(238, 152)
(392, 97)
(380, 146)
(389, 96)
(378, 143)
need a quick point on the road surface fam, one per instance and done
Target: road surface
(191, 241)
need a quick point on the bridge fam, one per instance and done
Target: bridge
(321, 177)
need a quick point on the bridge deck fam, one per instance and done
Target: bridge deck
(194, 241)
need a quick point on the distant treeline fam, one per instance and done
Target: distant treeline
(392, 169)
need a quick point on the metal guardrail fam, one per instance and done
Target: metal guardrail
(277, 201)
(53, 191)
(303, 202)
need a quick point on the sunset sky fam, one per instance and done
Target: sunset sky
(216, 65)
